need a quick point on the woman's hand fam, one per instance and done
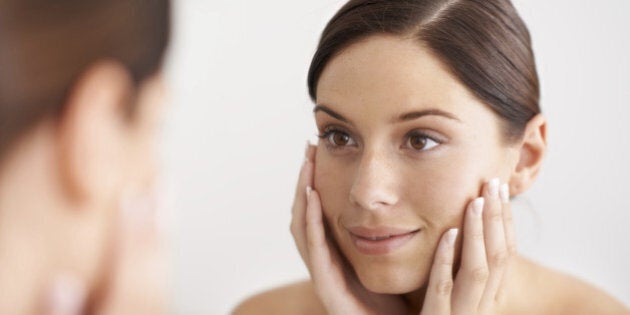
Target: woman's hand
(488, 248)
(135, 281)
(488, 245)
(334, 281)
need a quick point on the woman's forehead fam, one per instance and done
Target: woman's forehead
(390, 77)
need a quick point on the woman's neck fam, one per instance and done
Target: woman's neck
(414, 300)
(24, 271)
(38, 228)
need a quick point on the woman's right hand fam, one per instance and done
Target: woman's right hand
(136, 279)
(334, 281)
(488, 245)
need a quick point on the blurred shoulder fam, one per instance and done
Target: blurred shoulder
(565, 294)
(296, 298)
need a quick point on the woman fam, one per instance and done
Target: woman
(429, 119)
(80, 98)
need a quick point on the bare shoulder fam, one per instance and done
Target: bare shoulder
(296, 298)
(565, 294)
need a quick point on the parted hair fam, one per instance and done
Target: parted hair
(483, 43)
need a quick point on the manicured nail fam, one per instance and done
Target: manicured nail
(478, 206)
(504, 191)
(493, 187)
(67, 295)
(308, 191)
(451, 236)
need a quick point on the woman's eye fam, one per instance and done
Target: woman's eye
(421, 142)
(339, 138)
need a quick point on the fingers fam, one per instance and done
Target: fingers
(305, 178)
(488, 245)
(496, 242)
(438, 296)
(137, 281)
(319, 254)
(510, 237)
(473, 273)
(317, 246)
(298, 219)
(325, 264)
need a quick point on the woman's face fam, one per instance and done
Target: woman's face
(404, 148)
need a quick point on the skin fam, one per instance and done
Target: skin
(383, 180)
(365, 171)
(77, 220)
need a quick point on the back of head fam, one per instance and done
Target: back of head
(46, 45)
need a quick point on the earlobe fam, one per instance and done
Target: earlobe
(532, 150)
(91, 132)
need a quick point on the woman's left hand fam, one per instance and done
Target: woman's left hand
(488, 248)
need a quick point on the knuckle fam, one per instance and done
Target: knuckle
(499, 259)
(480, 274)
(511, 248)
(477, 236)
(312, 242)
(507, 217)
(444, 261)
(496, 216)
(444, 287)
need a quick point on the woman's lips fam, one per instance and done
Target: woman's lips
(381, 240)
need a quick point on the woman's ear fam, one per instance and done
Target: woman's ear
(92, 133)
(532, 149)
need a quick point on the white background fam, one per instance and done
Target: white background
(235, 134)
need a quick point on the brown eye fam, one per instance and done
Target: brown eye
(339, 138)
(418, 142)
(421, 142)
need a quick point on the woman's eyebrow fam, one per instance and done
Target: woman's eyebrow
(330, 112)
(427, 112)
(404, 117)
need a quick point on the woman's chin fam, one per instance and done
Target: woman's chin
(391, 281)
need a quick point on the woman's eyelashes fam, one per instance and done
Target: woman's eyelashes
(421, 141)
(337, 139)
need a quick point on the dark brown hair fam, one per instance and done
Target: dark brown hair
(46, 45)
(484, 43)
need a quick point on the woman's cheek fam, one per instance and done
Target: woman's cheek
(327, 182)
(444, 191)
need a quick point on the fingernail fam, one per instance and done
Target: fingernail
(505, 193)
(478, 206)
(451, 236)
(493, 187)
(67, 296)
(308, 191)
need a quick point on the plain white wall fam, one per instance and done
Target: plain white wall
(235, 134)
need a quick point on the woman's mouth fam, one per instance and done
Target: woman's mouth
(380, 240)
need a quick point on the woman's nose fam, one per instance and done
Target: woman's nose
(375, 182)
